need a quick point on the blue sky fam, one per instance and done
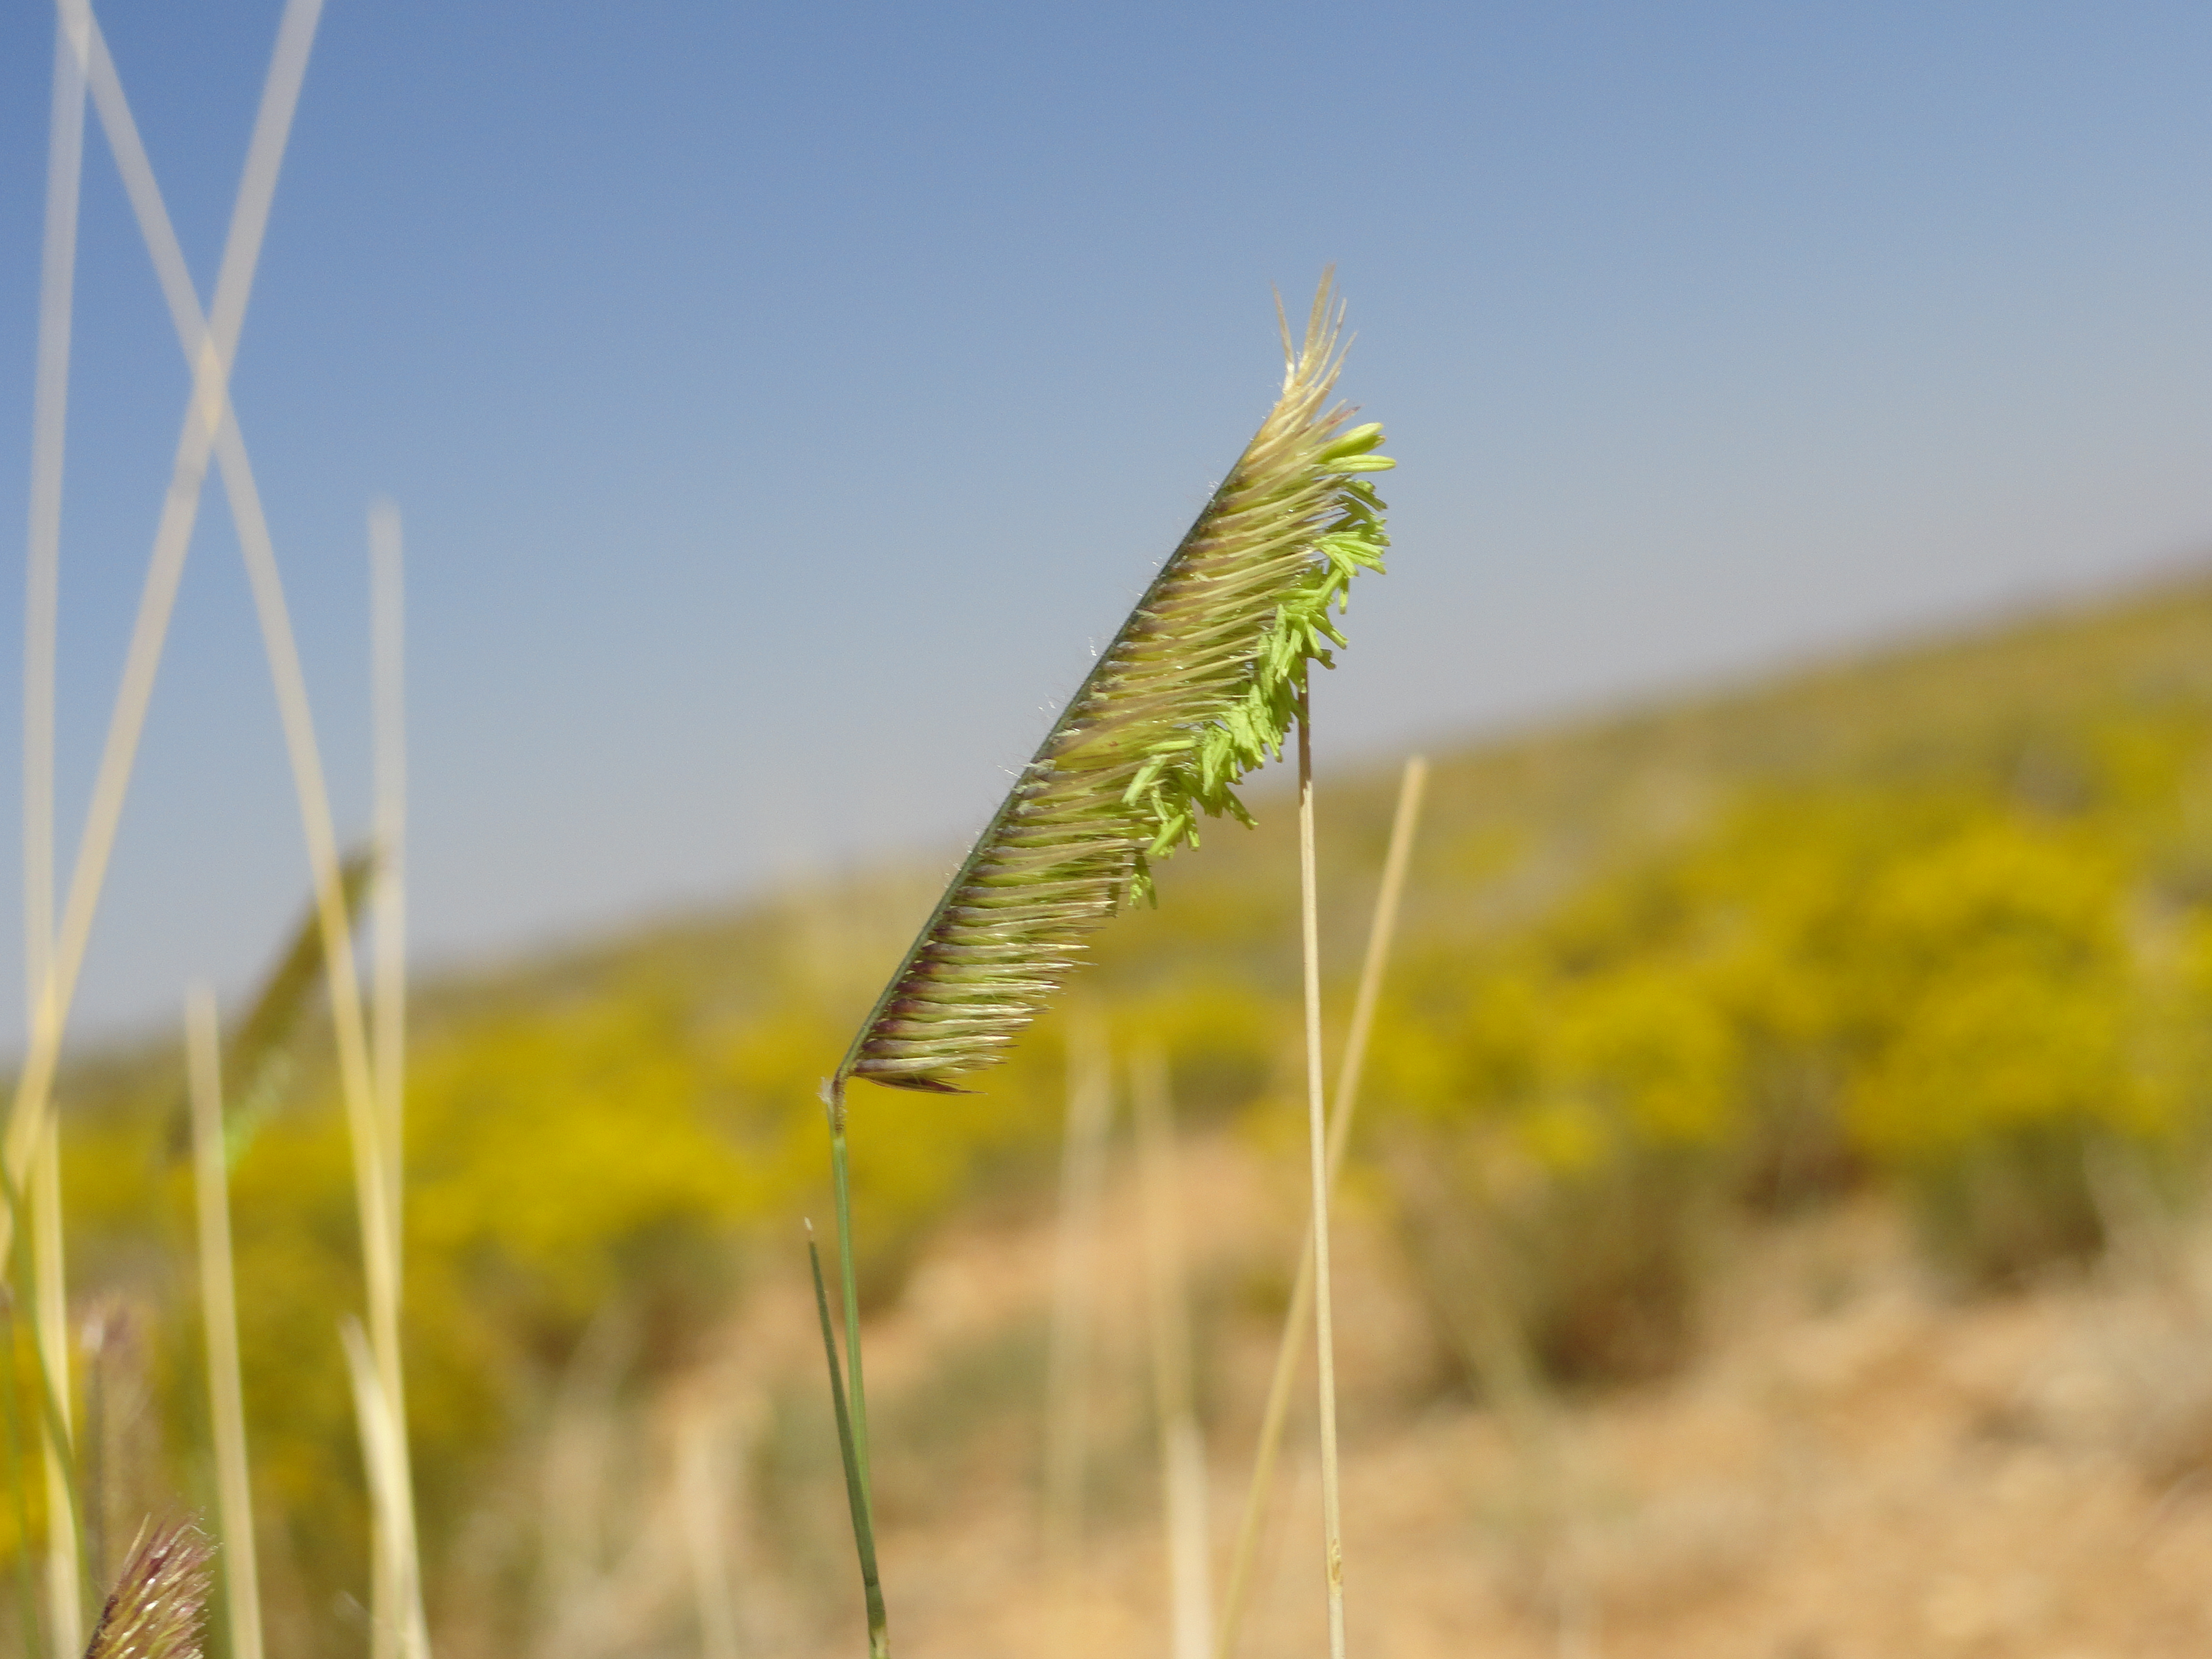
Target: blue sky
(782, 400)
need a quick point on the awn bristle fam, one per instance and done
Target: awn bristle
(160, 1599)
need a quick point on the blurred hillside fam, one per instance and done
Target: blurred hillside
(1926, 936)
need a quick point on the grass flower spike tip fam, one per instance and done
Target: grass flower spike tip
(160, 1601)
(1200, 687)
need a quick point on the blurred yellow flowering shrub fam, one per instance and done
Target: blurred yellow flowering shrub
(1990, 988)
(1973, 959)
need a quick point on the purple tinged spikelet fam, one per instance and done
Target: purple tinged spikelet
(159, 1605)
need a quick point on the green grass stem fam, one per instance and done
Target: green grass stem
(856, 1493)
(848, 1289)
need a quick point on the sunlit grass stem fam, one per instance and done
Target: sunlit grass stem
(65, 1583)
(388, 908)
(210, 339)
(241, 1573)
(1381, 930)
(391, 1506)
(372, 1133)
(210, 426)
(27, 1155)
(49, 434)
(1317, 1138)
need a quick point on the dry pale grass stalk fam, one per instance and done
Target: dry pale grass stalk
(159, 1599)
(1067, 1375)
(49, 431)
(241, 1571)
(372, 1133)
(1381, 930)
(212, 349)
(383, 1452)
(1317, 1135)
(388, 1008)
(42, 588)
(65, 172)
(210, 341)
(1182, 1449)
(50, 1330)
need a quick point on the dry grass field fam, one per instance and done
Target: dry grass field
(1774, 1229)
(1858, 1465)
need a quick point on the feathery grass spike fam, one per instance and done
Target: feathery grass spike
(160, 1599)
(1198, 688)
(264, 1036)
(258, 1057)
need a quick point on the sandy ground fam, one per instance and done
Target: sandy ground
(1858, 1467)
